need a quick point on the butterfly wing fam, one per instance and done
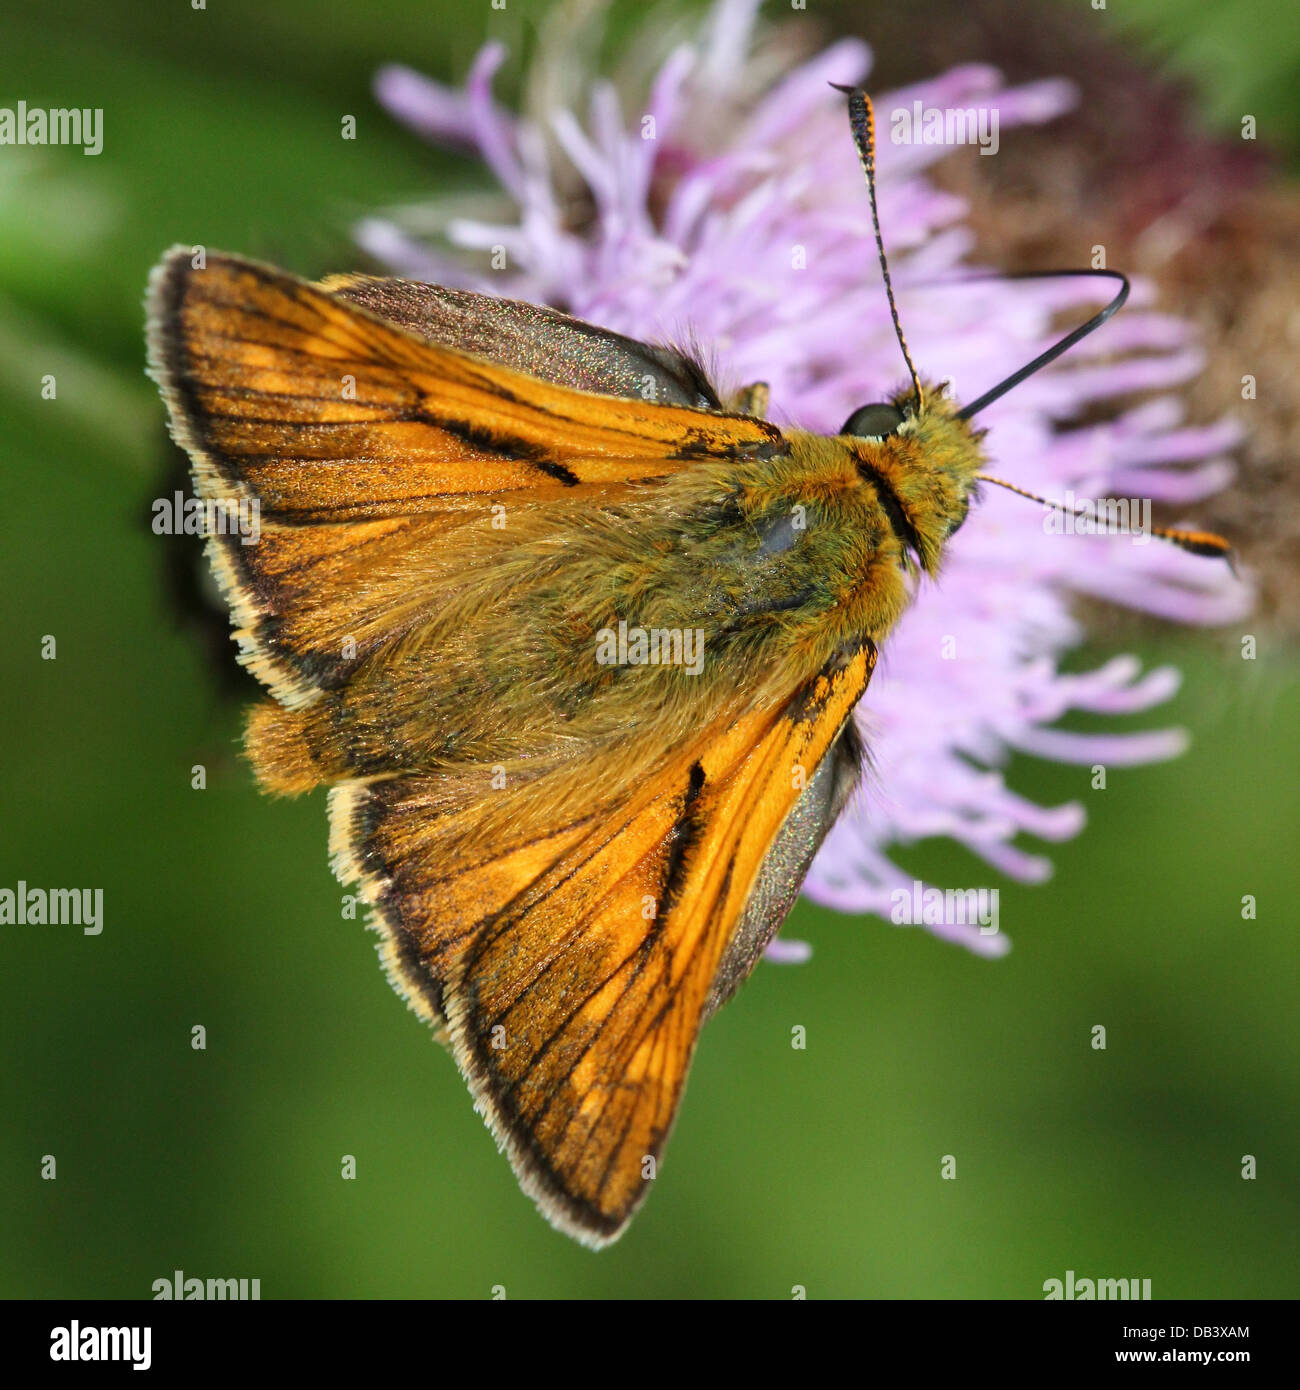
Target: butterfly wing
(364, 444)
(571, 970)
(567, 933)
(324, 411)
(534, 339)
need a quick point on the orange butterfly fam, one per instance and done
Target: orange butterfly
(574, 643)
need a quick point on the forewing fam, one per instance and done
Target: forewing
(365, 446)
(325, 412)
(531, 338)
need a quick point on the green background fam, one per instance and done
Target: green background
(819, 1167)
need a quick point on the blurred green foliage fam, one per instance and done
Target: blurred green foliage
(817, 1167)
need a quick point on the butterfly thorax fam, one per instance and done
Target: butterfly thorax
(704, 595)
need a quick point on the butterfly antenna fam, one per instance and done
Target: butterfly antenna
(1196, 542)
(1058, 348)
(862, 119)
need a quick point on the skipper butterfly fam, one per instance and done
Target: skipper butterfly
(576, 645)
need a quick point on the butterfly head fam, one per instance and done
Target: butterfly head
(921, 458)
(919, 451)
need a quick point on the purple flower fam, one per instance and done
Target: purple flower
(728, 209)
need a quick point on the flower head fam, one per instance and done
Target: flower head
(728, 209)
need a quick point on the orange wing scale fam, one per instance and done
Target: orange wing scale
(563, 938)
(571, 972)
(325, 412)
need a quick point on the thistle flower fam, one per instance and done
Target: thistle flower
(728, 210)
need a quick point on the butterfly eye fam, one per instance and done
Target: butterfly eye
(955, 524)
(873, 421)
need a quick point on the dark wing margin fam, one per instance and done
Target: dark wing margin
(787, 863)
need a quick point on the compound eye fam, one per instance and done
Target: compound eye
(873, 421)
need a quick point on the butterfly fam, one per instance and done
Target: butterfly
(575, 643)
